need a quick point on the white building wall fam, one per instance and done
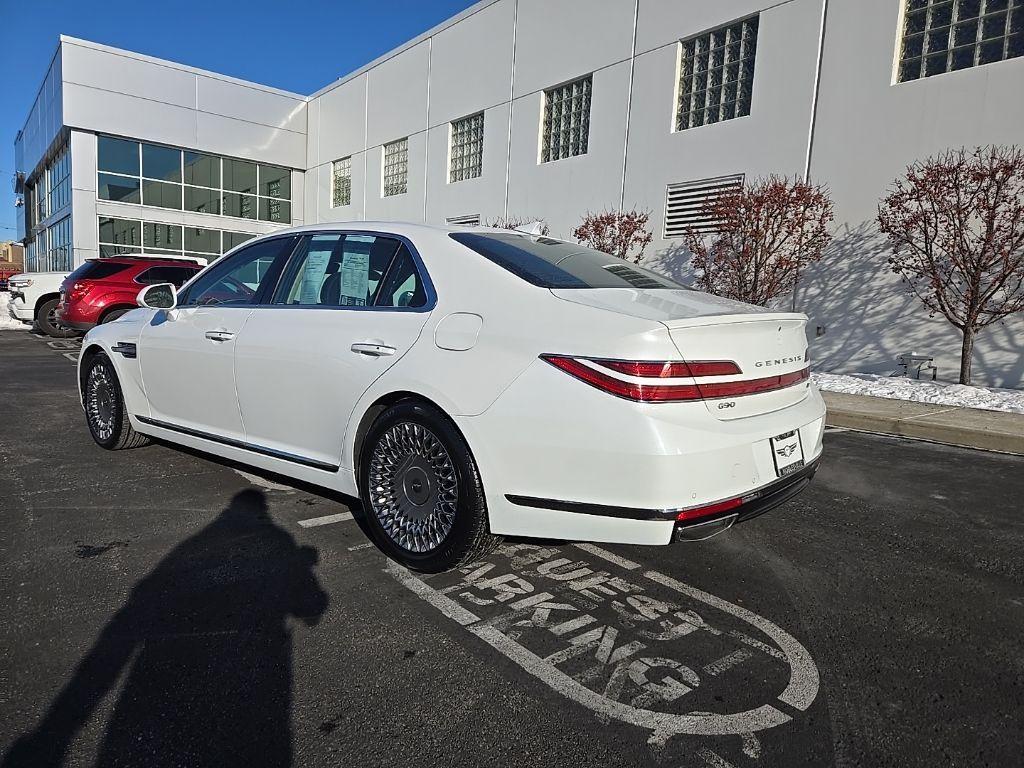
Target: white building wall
(500, 55)
(868, 128)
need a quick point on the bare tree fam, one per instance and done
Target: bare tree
(620, 233)
(765, 233)
(517, 222)
(955, 225)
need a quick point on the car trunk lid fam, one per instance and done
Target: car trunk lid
(770, 348)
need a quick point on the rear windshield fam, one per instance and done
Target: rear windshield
(551, 263)
(96, 270)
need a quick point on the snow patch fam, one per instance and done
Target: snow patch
(8, 323)
(922, 391)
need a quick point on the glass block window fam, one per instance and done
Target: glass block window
(716, 75)
(396, 168)
(566, 128)
(466, 159)
(341, 182)
(945, 35)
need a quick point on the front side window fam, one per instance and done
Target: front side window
(237, 280)
(716, 75)
(337, 270)
(396, 168)
(945, 35)
(341, 182)
(565, 131)
(466, 154)
(550, 263)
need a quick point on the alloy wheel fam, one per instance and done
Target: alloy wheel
(100, 403)
(413, 487)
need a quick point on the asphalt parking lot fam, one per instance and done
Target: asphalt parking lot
(163, 608)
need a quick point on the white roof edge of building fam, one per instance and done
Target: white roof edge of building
(176, 65)
(449, 22)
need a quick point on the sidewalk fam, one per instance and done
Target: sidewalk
(968, 427)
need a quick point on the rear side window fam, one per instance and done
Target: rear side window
(550, 263)
(403, 286)
(175, 275)
(97, 270)
(337, 270)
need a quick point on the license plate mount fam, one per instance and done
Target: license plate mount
(787, 452)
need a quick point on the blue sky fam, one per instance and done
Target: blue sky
(298, 45)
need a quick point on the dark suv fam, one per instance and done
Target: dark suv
(102, 290)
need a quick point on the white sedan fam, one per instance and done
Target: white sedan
(468, 384)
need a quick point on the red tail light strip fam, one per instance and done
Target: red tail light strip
(709, 509)
(671, 370)
(661, 393)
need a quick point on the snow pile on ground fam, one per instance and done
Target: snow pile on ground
(923, 391)
(8, 323)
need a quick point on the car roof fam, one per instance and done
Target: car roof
(405, 228)
(153, 260)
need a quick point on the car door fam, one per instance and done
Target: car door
(348, 307)
(186, 355)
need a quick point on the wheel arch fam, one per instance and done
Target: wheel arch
(84, 361)
(113, 308)
(42, 300)
(381, 404)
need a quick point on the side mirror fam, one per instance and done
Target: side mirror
(158, 296)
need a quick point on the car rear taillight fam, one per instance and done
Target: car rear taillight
(77, 291)
(590, 371)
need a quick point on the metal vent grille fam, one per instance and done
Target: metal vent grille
(684, 206)
(470, 220)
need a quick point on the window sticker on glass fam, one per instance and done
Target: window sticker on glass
(355, 271)
(313, 274)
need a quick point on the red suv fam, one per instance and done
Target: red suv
(102, 290)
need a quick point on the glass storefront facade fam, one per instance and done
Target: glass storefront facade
(181, 179)
(132, 237)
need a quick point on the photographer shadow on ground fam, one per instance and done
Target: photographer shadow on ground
(203, 647)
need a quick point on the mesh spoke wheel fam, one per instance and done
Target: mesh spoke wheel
(413, 487)
(100, 403)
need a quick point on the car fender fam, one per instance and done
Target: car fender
(120, 342)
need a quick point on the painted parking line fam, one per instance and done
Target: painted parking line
(325, 520)
(631, 644)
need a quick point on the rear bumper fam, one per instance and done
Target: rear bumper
(755, 503)
(71, 319)
(563, 460)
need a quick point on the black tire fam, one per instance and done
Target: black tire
(113, 315)
(421, 491)
(104, 408)
(47, 321)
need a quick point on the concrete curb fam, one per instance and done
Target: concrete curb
(967, 427)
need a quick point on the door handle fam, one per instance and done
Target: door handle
(220, 335)
(373, 350)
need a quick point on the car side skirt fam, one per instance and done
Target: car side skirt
(241, 444)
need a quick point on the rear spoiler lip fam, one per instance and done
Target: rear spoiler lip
(732, 318)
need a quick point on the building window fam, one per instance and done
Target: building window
(716, 75)
(119, 237)
(466, 152)
(945, 36)
(396, 167)
(685, 204)
(566, 128)
(341, 182)
(166, 177)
